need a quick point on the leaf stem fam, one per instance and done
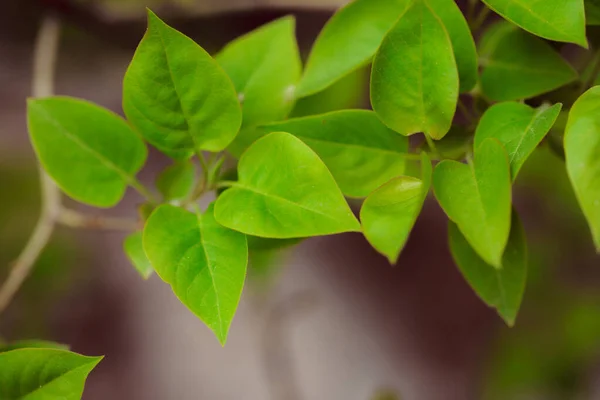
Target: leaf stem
(74, 219)
(480, 19)
(44, 65)
(225, 184)
(142, 190)
(432, 147)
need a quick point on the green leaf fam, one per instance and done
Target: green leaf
(414, 80)
(390, 212)
(177, 96)
(134, 250)
(91, 153)
(284, 191)
(503, 288)
(44, 374)
(518, 127)
(361, 152)
(204, 262)
(32, 344)
(592, 12)
(518, 65)
(265, 67)
(177, 180)
(558, 20)
(348, 41)
(463, 44)
(477, 197)
(582, 150)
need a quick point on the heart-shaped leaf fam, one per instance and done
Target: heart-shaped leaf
(518, 65)
(48, 374)
(91, 153)
(284, 191)
(390, 212)
(414, 80)
(204, 262)
(582, 149)
(477, 197)
(518, 127)
(503, 288)
(559, 20)
(134, 249)
(360, 151)
(177, 96)
(348, 41)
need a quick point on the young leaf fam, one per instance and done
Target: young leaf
(34, 374)
(32, 344)
(463, 44)
(582, 147)
(558, 20)
(390, 212)
(518, 65)
(91, 153)
(348, 41)
(477, 197)
(177, 180)
(503, 288)
(518, 127)
(414, 80)
(359, 150)
(284, 191)
(177, 96)
(134, 250)
(265, 67)
(204, 262)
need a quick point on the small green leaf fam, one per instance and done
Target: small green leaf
(477, 197)
(284, 191)
(503, 288)
(360, 151)
(44, 374)
(390, 212)
(134, 250)
(414, 80)
(559, 20)
(463, 44)
(177, 180)
(592, 12)
(91, 153)
(348, 41)
(265, 67)
(177, 96)
(518, 65)
(582, 149)
(518, 127)
(204, 262)
(32, 344)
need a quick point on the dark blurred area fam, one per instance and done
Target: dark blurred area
(330, 318)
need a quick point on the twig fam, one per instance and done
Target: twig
(75, 219)
(44, 65)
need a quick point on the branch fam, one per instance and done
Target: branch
(74, 219)
(44, 65)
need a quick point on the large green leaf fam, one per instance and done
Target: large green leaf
(463, 44)
(518, 65)
(348, 41)
(177, 180)
(284, 191)
(91, 153)
(44, 374)
(503, 288)
(178, 97)
(559, 20)
(518, 127)
(265, 67)
(134, 249)
(477, 197)
(390, 212)
(360, 151)
(414, 80)
(204, 262)
(582, 151)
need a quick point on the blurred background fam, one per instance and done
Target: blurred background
(328, 319)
